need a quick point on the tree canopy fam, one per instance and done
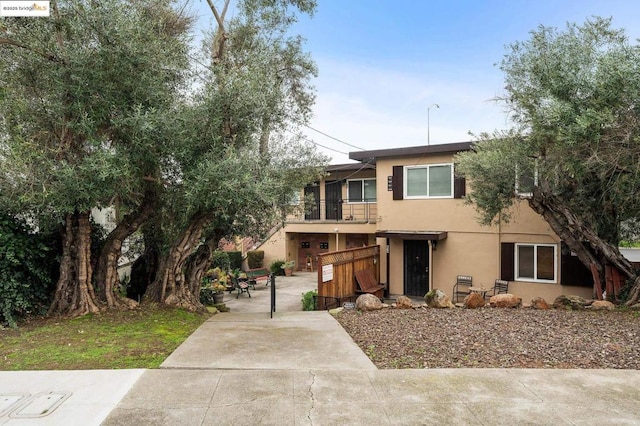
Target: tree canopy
(106, 105)
(574, 96)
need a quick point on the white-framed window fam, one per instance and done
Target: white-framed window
(526, 179)
(536, 262)
(361, 191)
(428, 181)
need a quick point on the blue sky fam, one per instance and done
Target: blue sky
(383, 63)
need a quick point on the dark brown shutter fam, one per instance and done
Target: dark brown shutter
(459, 187)
(507, 258)
(398, 182)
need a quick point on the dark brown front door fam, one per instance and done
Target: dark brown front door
(416, 268)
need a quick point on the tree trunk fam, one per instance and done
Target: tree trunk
(170, 286)
(74, 294)
(593, 251)
(199, 262)
(106, 277)
(265, 132)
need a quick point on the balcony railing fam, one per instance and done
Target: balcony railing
(338, 211)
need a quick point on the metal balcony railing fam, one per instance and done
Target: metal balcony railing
(341, 210)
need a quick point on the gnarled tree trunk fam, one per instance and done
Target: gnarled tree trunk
(106, 276)
(593, 251)
(170, 286)
(199, 262)
(74, 294)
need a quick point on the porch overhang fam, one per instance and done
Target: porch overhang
(413, 235)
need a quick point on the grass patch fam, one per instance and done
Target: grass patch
(140, 338)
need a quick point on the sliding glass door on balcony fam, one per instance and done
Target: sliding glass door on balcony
(312, 208)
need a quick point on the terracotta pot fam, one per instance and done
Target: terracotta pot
(288, 272)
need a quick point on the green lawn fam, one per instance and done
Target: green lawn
(140, 338)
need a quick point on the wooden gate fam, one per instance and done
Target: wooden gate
(336, 282)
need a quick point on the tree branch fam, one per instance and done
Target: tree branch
(47, 56)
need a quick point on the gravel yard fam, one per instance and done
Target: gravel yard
(496, 338)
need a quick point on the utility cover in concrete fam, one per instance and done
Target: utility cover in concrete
(10, 401)
(40, 405)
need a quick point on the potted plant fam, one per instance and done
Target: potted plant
(288, 267)
(218, 291)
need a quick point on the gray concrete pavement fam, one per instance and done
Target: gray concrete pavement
(244, 368)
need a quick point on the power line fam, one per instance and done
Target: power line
(332, 137)
(318, 144)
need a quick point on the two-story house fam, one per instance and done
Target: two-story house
(409, 201)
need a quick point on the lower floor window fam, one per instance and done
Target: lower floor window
(536, 262)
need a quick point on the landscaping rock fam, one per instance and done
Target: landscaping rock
(403, 302)
(569, 302)
(473, 301)
(539, 303)
(336, 311)
(505, 301)
(437, 299)
(600, 305)
(368, 302)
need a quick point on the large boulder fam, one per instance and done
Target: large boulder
(505, 301)
(403, 302)
(473, 301)
(539, 303)
(569, 302)
(437, 299)
(368, 302)
(600, 305)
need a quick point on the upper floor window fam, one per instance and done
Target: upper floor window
(361, 190)
(429, 181)
(536, 262)
(526, 179)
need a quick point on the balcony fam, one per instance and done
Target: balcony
(336, 211)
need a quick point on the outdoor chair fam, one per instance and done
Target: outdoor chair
(499, 287)
(461, 287)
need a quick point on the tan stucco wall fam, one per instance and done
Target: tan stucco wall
(274, 248)
(470, 248)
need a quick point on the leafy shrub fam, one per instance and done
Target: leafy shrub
(220, 260)
(27, 270)
(255, 259)
(206, 296)
(235, 259)
(308, 303)
(276, 267)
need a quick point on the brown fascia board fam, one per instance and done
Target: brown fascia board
(410, 151)
(349, 167)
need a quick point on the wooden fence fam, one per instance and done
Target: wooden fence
(336, 282)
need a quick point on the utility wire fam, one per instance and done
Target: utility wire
(334, 138)
(316, 143)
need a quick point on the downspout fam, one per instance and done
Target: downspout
(499, 262)
(430, 267)
(386, 290)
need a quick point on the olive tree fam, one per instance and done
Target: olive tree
(237, 148)
(574, 96)
(83, 98)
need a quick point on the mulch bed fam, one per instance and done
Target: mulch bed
(496, 338)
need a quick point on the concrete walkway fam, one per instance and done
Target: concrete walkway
(301, 368)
